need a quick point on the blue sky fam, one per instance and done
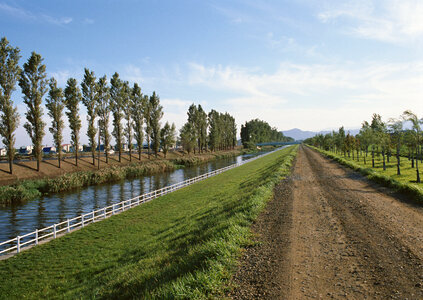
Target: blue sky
(301, 63)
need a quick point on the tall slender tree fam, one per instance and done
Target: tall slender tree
(34, 85)
(9, 116)
(127, 109)
(167, 137)
(72, 98)
(116, 105)
(55, 105)
(138, 103)
(416, 134)
(156, 114)
(147, 119)
(396, 131)
(192, 119)
(89, 99)
(187, 137)
(201, 124)
(103, 111)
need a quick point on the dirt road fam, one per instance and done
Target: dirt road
(330, 233)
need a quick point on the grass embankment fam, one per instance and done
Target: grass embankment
(404, 183)
(180, 246)
(27, 190)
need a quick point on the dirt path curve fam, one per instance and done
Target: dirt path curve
(330, 233)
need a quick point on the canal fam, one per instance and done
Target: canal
(24, 218)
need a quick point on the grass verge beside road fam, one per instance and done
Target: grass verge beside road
(180, 246)
(404, 183)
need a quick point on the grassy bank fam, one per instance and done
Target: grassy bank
(181, 246)
(27, 190)
(404, 183)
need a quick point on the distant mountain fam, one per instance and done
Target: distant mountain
(299, 134)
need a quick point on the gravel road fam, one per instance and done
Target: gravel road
(330, 233)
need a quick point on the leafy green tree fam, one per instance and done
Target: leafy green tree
(55, 105)
(201, 125)
(117, 96)
(9, 116)
(365, 138)
(147, 119)
(103, 111)
(156, 114)
(89, 99)
(138, 103)
(167, 137)
(215, 134)
(416, 134)
(72, 98)
(255, 131)
(192, 119)
(33, 84)
(127, 109)
(188, 139)
(397, 133)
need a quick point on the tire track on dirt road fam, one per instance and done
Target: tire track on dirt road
(330, 233)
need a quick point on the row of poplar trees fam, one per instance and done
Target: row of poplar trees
(127, 105)
(379, 137)
(213, 131)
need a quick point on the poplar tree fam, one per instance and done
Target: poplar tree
(156, 114)
(72, 98)
(138, 103)
(167, 137)
(89, 99)
(187, 137)
(127, 108)
(103, 111)
(147, 113)
(192, 119)
(214, 132)
(201, 124)
(33, 84)
(55, 105)
(116, 105)
(9, 116)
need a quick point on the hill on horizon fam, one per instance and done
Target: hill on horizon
(299, 134)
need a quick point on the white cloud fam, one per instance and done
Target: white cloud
(394, 21)
(314, 96)
(21, 13)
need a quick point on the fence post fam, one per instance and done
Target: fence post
(18, 244)
(104, 212)
(54, 230)
(113, 209)
(36, 236)
(82, 221)
(68, 225)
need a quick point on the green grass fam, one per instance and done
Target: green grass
(405, 183)
(180, 246)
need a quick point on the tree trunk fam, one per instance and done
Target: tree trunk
(383, 155)
(59, 158)
(10, 154)
(417, 169)
(398, 162)
(93, 153)
(76, 156)
(373, 158)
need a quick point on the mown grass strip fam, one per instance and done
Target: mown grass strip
(180, 246)
(404, 183)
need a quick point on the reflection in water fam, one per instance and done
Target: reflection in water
(21, 219)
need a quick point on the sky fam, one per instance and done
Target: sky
(308, 64)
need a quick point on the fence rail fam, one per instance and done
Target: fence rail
(17, 244)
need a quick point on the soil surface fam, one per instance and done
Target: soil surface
(331, 233)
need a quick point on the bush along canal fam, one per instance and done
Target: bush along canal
(182, 245)
(19, 219)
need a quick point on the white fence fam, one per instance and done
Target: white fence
(51, 232)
